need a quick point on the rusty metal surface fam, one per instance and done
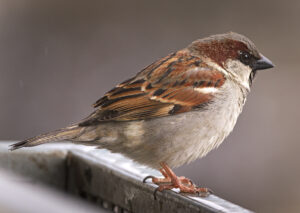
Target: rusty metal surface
(107, 180)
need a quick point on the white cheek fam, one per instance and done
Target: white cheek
(239, 71)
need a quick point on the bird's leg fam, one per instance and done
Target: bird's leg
(167, 178)
(171, 181)
(172, 175)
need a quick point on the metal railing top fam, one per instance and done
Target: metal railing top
(106, 179)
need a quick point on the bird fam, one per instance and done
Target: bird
(174, 111)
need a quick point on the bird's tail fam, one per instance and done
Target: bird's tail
(57, 135)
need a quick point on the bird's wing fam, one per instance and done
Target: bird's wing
(174, 84)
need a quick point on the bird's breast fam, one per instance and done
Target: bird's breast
(181, 138)
(185, 137)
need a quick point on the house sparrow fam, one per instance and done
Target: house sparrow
(175, 110)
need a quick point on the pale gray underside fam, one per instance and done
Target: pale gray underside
(177, 139)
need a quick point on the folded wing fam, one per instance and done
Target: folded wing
(174, 84)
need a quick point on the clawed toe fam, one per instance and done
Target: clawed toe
(148, 177)
(204, 192)
(186, 181)
(171, 181)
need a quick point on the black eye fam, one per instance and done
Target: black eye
(245, 58)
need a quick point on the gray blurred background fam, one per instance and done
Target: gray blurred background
(58, 57)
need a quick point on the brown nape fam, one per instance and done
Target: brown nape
(222, 47)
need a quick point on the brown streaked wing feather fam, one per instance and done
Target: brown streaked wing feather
(164, 88)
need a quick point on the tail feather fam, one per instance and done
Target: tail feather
(57, 135)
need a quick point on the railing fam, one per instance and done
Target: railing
(107, 180)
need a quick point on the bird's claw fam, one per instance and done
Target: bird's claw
(171, 181)
(204, 192)
(148, 177)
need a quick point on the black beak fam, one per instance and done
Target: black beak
(262, 64)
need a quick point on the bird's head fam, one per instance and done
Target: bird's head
(234, 54)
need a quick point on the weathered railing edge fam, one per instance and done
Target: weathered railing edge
(126, 168)
(132, 171)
